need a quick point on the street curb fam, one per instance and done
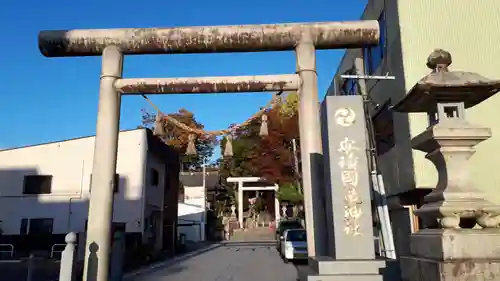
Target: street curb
(169, 262)
(243, 243)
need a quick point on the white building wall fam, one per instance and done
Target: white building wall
(70, 164)
(193, 210)
(195, 195)
(191, 214)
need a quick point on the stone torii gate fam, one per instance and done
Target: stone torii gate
(113, 44)
(241, 188)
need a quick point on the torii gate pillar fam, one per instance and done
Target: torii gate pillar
(240, 204)
(311, 147)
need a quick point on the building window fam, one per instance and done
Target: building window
(116, 183)
(154, 177)
(37, 226)
(383, 124)
(367, 57)
(24, 227)
(37, 184)
(350, 87)
(41, 226)
(373, 56)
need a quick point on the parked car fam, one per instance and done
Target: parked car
(285, 225)
(294, 245)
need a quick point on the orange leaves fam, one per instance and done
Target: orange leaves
(274, 154)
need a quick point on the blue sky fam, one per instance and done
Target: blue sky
(49, 99)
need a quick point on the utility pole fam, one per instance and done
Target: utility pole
(205, 198)
(296, 164)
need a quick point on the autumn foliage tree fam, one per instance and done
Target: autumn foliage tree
(273, 157)
(178, 138)
(270, 157)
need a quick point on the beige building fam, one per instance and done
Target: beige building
(410, 30)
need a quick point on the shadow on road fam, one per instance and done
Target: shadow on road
(299, 262)
(228, 260)
(169, 266)
(43, 270)
(262, 243)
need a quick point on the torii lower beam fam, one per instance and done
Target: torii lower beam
(229, 84)
(304, 38)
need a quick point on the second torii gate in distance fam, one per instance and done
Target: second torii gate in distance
(113, 44)
(264, 187)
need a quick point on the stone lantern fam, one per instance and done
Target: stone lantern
(456, 205)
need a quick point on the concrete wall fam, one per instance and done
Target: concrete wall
(70, 164)
(396, 165)
(397, 170)
(466, 28)
(469, 30)
(414, 29)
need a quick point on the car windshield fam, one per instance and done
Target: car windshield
(289, 224)
(296, 235)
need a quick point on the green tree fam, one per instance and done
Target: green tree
(244, 144)
(289, 192)
(290, 104)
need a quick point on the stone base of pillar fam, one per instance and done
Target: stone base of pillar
(234, 222)
(329, 269)
(453, 255)
(418, 269)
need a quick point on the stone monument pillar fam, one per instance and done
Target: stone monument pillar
(283, 211)
(462, 240)
(232, 223)
(233, 211)
(351, 250)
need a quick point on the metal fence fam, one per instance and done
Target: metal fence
(6, 251)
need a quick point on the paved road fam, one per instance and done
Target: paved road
(250, 256)
(233, 261)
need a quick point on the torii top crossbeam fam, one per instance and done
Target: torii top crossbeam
(241, 180)
(207, 39)
(244, 179)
